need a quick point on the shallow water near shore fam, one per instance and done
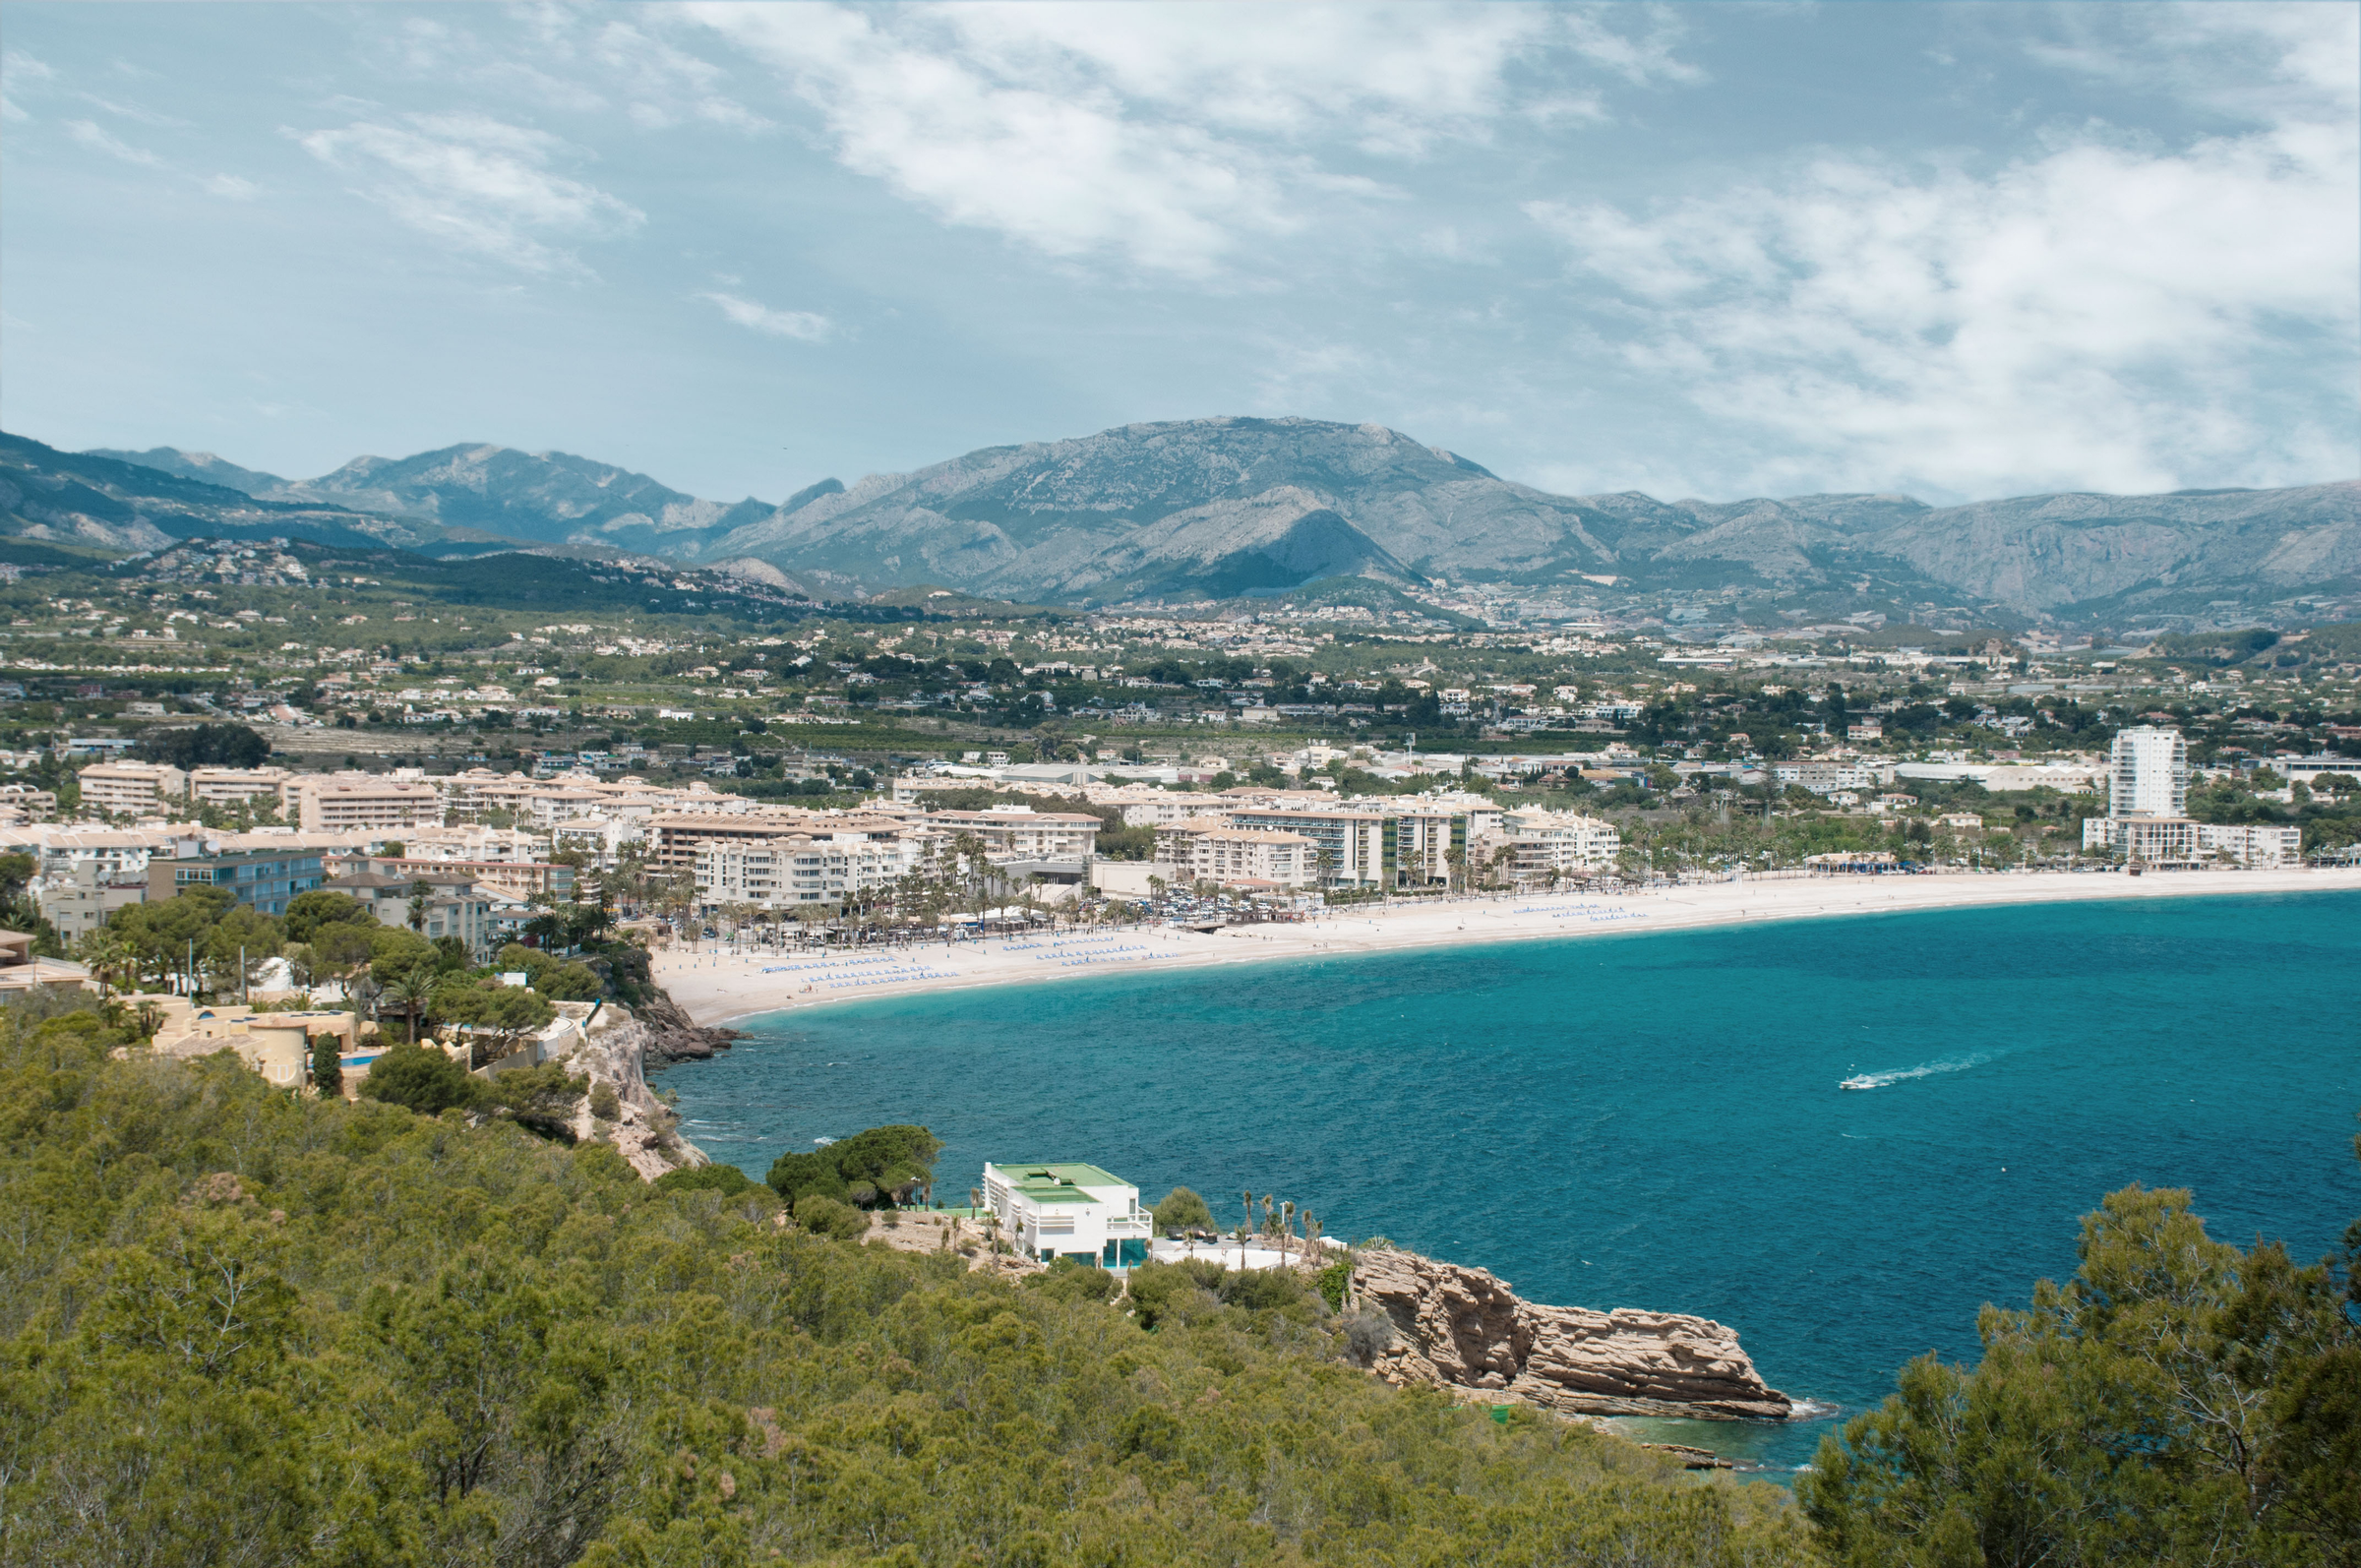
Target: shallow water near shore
(1653, 1119)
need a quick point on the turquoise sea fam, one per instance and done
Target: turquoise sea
(1653, 1120)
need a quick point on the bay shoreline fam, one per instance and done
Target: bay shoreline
(716, 988)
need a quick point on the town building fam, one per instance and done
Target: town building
(265, 878)
(1212, 852)
(1053, 1211)
(2148, 800)
(81, 901)
(451, 905)
(132, 789)
(357, 802)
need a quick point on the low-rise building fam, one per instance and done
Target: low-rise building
(265, 878)
(1052, 1210)
(81, 901)
(2255, 844)
(452, 905)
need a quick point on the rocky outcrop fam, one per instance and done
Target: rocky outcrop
(1461, 1328)
(611, 1054)
(673, 1037)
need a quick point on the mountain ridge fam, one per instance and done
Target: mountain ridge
(1237, 505)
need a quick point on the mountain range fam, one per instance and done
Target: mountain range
(1225, 507)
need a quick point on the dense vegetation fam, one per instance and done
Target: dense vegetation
(2178, 1402)
(243, 1327)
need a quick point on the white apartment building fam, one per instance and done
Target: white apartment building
(1057, 1210)
(132, 789)
(2151, 840)
(1826, 778)
(2252, 844)
(228, 786)
(80, 902)
(1211, 852)
(800, 869)
(1543, 845)
(357, 802)
(1020, 833)
(2148, 773)
(1347, 846)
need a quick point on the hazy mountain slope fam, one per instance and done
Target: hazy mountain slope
(546, 497)
(1097, 516)
(78, 498)
(2043, 552)
(1231, 506)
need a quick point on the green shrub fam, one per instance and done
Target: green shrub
(421, 1080)
(1332, 1281)
(1068, 1279)
(828, 1217)
(606, 1105)
(881, 1166)
(726, 1180)
(1182, 1210)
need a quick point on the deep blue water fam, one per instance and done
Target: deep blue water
(1653, 1120)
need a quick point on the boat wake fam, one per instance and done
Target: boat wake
(1880, 1080)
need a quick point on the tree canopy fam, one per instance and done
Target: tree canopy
(244, 1325)
(204, 745)
(882, 1167)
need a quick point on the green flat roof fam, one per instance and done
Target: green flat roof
(1056, 1181)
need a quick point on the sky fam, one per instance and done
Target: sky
(1716, 251)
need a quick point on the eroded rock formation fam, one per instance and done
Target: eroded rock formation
(1457, 1327)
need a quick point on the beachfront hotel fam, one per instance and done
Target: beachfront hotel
(1053, 1211)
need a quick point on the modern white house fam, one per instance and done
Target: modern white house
(1054, 1210)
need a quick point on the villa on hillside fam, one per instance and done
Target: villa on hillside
(1053, 1211)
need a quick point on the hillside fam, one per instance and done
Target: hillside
(547, 498)
(1226, 507)
(246, 1327)
(80, 500)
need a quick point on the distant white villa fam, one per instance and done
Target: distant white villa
(1056, 1210)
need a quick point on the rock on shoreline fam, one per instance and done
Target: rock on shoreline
(1461, 1328)
(672, 1036)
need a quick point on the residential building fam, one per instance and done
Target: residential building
(1212, 852)
(358, 802)
(1347, 846)
(453, 906)
(132, 789)
(1826, 778)
(1546, 846)
(80, 902)
(2148, 773)
(262, 787)
(800, 869)
(2151, 840)
(519, 878)
(2252, 843)
(1054, 1210)
(1020, 833)
(264, 878)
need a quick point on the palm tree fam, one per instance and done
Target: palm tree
(418, 893)
(1287, 1228)
(107, 955)
(408, 993)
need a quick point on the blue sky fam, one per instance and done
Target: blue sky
(1717, 250)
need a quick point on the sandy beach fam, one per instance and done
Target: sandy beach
(715, 986)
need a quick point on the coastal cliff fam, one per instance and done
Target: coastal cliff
(614, 1047)
(1455, 1327)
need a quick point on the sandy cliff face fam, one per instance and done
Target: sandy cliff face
(1461, 1328)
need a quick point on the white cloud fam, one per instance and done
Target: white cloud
(2102, 312)
(231, 188)
(477, 184)
(18, 73)
(801, 325)
(1168, 137)
(98, 141)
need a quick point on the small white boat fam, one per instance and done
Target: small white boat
(1859, 1081)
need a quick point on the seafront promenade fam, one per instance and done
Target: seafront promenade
(716, 986)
